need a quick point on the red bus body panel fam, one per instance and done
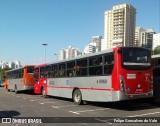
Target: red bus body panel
(136, 82)
(41, 83)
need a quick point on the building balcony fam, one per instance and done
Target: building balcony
(118, 11)
(118, 23)
(117, 14)
(120, 40)
(119, 17)
(119, 34)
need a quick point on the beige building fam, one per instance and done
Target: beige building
(138, 36)
(119, 26)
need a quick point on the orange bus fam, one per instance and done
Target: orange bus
(20, 79)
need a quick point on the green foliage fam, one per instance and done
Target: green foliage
(156, 51)
(2, 73)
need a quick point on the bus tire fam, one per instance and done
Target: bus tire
(7, 89)
(15, 89)
(43, 92)
(77, 97)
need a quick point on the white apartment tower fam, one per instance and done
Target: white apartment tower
(147, 38)
(13, 65)
(156, 41)
(94, 45)
(67, 53)
(90, 48)
(61, 55)
(17, 64)
(119, 26)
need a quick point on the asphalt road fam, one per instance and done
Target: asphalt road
(62, 111)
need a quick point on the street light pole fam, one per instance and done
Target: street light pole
(45, 44)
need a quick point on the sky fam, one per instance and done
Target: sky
(26, 24)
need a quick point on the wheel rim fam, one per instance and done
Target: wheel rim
(77, 97)
(15, 89)
(43, 92)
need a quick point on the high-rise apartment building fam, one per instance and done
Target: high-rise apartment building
(147, 38)
(67, 53)
(119, 26)
(156, 41)
(61, 55)
(13, 65)
(138, 33)
(90, 48)
(94, 45)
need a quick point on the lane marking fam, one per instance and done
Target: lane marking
(92, 110)
(46, 102)
(57, 107)
(28, 97)
(41, 103)
(145, 114)
(32, 100)
(37, 100)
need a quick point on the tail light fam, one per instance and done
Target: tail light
(151, 84)
(122, 83)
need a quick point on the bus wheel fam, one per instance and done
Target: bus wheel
(15, 89)
(77, 97)
(7, 89)
(43, 92)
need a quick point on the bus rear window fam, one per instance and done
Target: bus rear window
(136, 58)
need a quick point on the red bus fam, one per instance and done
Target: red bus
(121, 73)
(20, 79)
(39, 80)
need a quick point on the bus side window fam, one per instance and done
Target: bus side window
(54, 71)
(62, 69)
(108, 63)
(16, 74)
(82, 64)
(48, 71)
(70, 69)
(36, 72)
(95, 65)
(22, 73)
(42, 72)
(19, 73)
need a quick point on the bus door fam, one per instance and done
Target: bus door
(36, 81)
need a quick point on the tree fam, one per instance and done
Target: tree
(156, 51)
(2, 73)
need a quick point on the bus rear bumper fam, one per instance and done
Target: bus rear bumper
(122, 96)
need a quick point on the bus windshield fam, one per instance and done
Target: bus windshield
(30, 69)
(136, 58)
